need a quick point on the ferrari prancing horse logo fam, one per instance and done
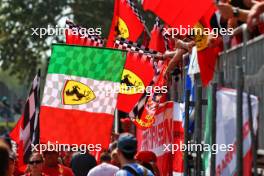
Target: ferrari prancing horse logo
(76, 93)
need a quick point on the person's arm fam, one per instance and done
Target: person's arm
(254, 13)
(227, 11)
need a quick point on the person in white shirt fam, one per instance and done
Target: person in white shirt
(105, 168)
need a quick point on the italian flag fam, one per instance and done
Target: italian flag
(78, 104)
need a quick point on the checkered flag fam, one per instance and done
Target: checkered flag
(88, 40)
(124, 44)
(29, 129)
(135, 10)
(139, 107)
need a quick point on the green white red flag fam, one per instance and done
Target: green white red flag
(78, 102)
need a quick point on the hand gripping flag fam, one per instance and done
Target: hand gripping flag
(79, 96)
(77, 35)
(126, 23)
(26, 131)
(178, 13)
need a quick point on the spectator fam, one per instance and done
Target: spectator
(52, 166)
(126, 150)
(114, 158)
(148, 159)
(11, 163)
(4, 155)
(81, 164)
(66, 158)
(104, 168)
(254, 13)
(35, 165)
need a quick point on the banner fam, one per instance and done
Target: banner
(178, 139)
(160, 134)
(226, 131)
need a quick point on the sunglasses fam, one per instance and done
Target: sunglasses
(35, 162)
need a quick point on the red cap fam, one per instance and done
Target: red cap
(125, 120)
(146, 156)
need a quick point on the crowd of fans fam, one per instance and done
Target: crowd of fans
(121, 159)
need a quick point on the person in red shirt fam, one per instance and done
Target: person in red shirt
(52, 166)
(35, 165)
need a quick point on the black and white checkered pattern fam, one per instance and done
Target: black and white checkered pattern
(139, 107)
(29, 132)
(95, 40)
(127, 45)
(135, 10)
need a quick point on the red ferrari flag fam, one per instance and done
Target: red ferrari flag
(137, 75)
(206, 55)
(178, 13)
(79, 98)
(126, 23)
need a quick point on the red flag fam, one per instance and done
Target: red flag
(157, 42)
(26, 131)
(137, 75)
(206, 55)
(178, 12)
(156, 97)
(126, 22)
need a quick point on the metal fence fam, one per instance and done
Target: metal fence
(249, 55)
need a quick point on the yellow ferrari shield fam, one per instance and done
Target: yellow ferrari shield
(131, 83)
(122, 29)
(76, 93)
(200, 38)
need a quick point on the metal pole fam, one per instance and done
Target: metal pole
(239, 122)
(198, 124)
(186, 131)
(213, 125)
(253, 139)
(116, 124)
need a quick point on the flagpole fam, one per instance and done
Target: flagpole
(186, 133)
(253, 138)
(213, 125)
(239, 120)
(198, 125)
(147, 31)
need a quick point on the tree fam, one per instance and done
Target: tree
(21, 53)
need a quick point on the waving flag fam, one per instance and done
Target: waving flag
(126, 23)
(137, 75)
(26, 131)
(174, 12)
(157, 41)
(79, 96)
(206, 56)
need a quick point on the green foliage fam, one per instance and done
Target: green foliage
(22, 53)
